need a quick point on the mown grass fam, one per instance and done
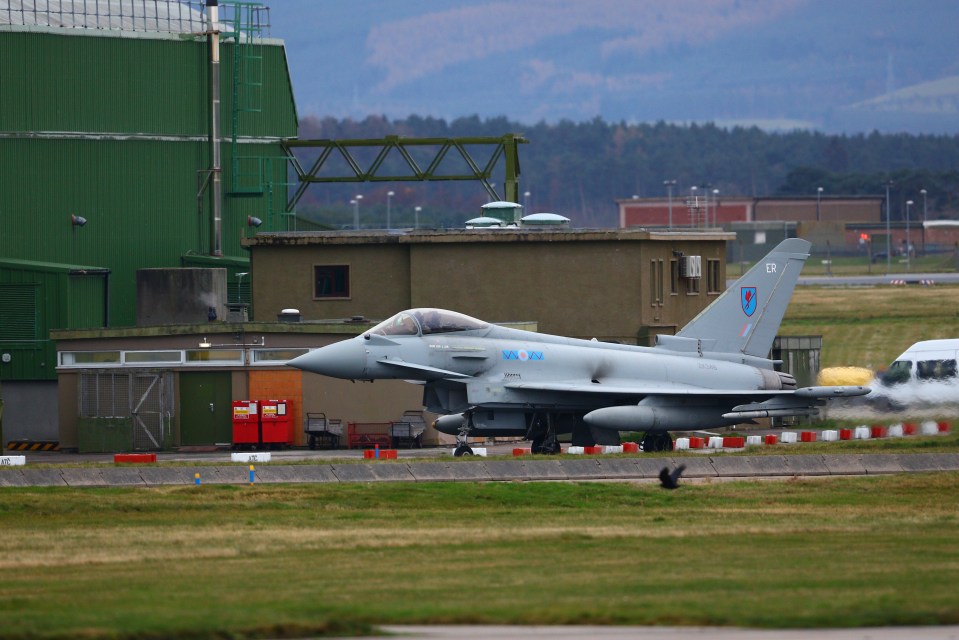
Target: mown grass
(273, 561)
(870, 326)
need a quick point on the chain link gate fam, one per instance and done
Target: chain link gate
(145, 398)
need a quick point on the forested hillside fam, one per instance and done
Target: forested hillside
(579, 169)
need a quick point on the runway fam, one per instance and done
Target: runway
(442, 467)
(502, 632)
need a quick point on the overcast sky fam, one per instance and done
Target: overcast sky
(830, 64)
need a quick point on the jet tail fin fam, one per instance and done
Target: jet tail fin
(746, 317)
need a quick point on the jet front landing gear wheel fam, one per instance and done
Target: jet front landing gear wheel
(462, 450)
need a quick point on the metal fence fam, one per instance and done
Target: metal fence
(154, 16)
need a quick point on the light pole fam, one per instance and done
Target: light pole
(389, 198)
(923, 234)
(908, 238)
(706, 192)
(526, 195)
(888, 231)
(818, 199)
(715, 206)
(356, 210)
(416, 217)
(669, 184)
(695, 203)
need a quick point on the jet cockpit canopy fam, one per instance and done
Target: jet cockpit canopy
(427, 321)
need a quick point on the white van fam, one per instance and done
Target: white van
(926, 361)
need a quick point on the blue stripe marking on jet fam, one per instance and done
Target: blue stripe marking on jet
(523, 355)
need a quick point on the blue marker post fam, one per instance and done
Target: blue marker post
(251, 475)
(377, 447)
(196, 478)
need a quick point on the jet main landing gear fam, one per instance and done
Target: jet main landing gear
(657, 441)
(543, 436)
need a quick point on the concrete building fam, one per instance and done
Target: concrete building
(172, 386)
(622, 285)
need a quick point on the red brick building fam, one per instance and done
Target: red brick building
(717, 210)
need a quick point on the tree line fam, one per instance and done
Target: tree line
(579, 169)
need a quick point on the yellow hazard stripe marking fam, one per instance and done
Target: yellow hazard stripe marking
(33, 446)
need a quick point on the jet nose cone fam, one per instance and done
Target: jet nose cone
(346, 359)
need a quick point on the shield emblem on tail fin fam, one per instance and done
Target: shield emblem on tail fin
(748, 295)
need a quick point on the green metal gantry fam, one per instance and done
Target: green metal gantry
(505, 146)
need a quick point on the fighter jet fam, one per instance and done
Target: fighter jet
(488, 380)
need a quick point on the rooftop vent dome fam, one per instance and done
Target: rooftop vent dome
(485, 222)
(506, 211)
(545, 220)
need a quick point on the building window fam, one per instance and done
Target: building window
(273, 356)
(712, 277)
(692, 286)
(656, 282)
(148, 357)
(674, 277)
(331, 281)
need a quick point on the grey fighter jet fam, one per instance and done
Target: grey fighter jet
(489, 380)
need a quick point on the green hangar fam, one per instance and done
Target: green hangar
(133, 134)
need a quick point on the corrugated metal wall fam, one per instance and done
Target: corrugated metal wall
(35, 298)
(137, 184)
(146, 85)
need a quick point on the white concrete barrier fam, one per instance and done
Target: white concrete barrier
(861, 433)
(895, 431)
(788, 437)
(929, 428)
(258, 456)
(830, 435)
(13, 461)
(682, 444)
(479, 451)
(576, 451)
(613, 448)
(753, 441)
(715, 442)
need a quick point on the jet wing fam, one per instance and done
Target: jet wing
(625, 388)
(804, 400)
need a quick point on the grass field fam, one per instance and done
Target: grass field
(870, 326)
(272, 561)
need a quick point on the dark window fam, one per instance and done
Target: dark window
(331, 281)
(656, 283)
(712, 277)
(899, 371)
(674, 277)
(936, 369)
